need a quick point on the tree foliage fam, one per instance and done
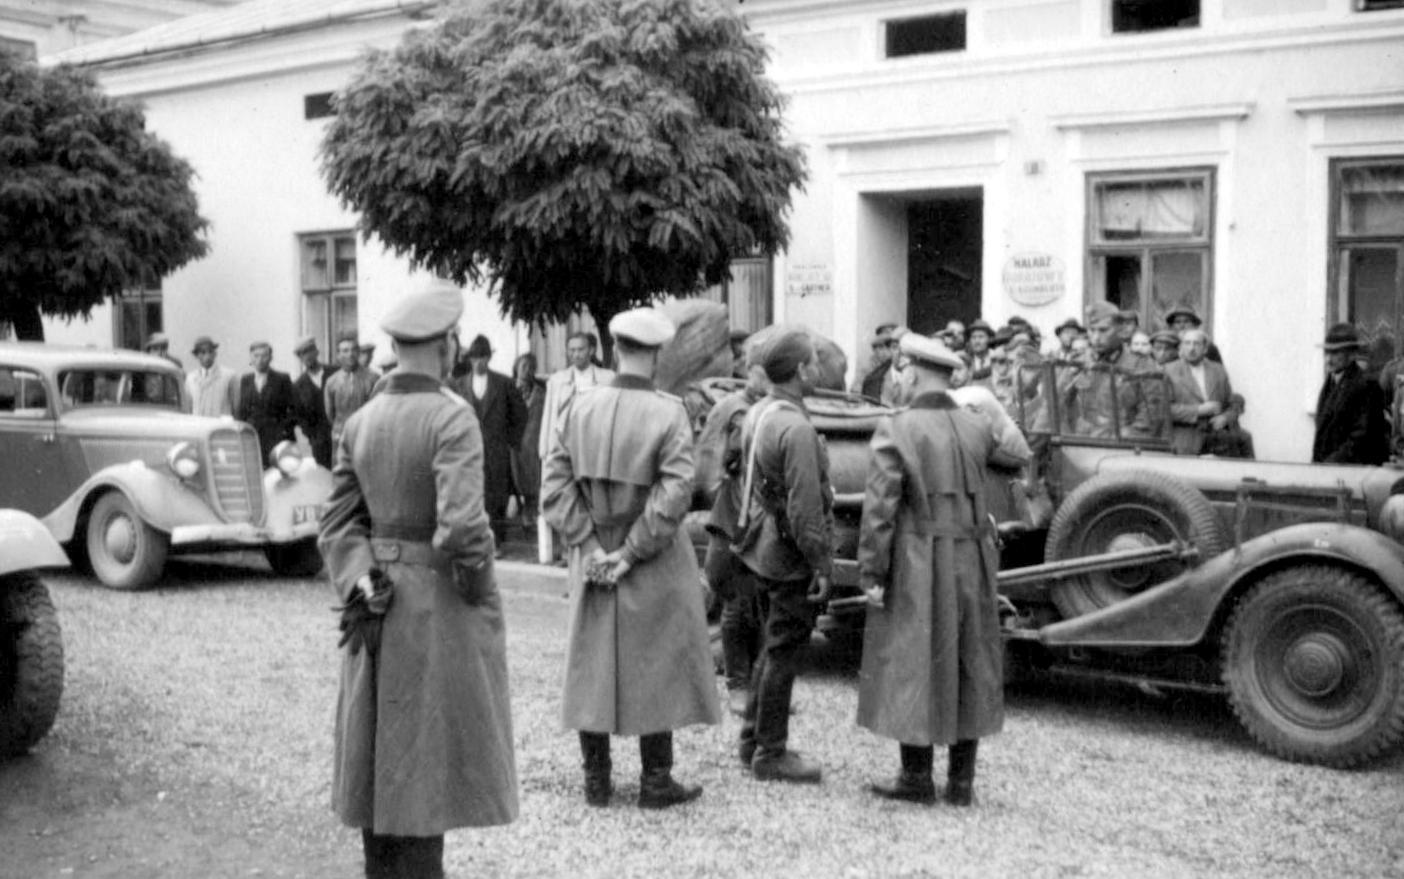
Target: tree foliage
(91, 204)
(595, 153)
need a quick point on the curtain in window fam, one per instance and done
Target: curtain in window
(1151, 209)
(1372, 200)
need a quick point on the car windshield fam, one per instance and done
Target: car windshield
(119, 387)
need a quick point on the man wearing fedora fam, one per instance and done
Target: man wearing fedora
(210, 389)
(309, 401)
(502, 417)
(1350, 422)
(1184, 317)
(159, 345)
(979, 337)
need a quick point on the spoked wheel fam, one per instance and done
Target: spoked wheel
(1314, 663)
(124, 551)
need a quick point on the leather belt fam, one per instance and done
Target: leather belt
(407, 552)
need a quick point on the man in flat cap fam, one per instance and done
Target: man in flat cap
(348, 388)
(932, 654)
(159, 345)
(785, 538)
(266, 400)
(502, 417)
(309, 401)
(580, 373)
(884, 343)
(979, 337)
(1350, 422)
(423, 719)
(1066, 332)
(211, 389)
(1165, 347)
(617, 485)
(1135, 408)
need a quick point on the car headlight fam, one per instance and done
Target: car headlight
(184, 460)
(1392, 517)
(286, 457)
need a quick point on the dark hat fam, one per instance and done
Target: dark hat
(929, 352)
(203, 342)
(1018, 321)
(1169, 337)
(1130, 316)
(642, 326)
(1002, 337)
(480, 347)
(157, 339)
(1097, 312)
(1342, 337)
(1185, 310)
(883, 334)
(429, 310)
(979, 325)
(1069, 324)
(305, 344)
(785, 353)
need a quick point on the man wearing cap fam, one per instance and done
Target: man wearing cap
(160, 346)
(932, 653)
(883, 344)
(1066, 332)
(580, 373)
(212, 389)
(348, 388)
(1350, 422)
(977, 354)
(616, 485)
(1087, 392)
(785, 538)
(266, 400)
(502, 418)
(309, 402)
(1165, 347)
(1184, 317)
(423, 720)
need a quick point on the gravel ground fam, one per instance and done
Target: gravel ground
(195, 739)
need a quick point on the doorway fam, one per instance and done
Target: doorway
(945, 250)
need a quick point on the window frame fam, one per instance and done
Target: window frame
(328, 295)
(1146, 250)
(960, 13)
(1337, 244)
(142, 298)
(1112, 29)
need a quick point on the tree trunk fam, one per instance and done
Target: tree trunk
(25, 320)
(602, 318)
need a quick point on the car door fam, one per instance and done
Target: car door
(33, 477)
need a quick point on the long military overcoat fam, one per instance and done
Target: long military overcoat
(932, 657)
(423, 742)
(620, 469)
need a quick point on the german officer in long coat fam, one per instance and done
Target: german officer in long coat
(616, 485)
(423, 726)
(931, 671)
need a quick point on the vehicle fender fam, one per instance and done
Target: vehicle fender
(161, 500)
(290, 500)
(26, 544)
(1179, 612)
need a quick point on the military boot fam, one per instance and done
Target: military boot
(785, 765)
(913, 784)
(960, 773)
(657, 788)
(594, 748)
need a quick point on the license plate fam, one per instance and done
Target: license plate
(304, 513)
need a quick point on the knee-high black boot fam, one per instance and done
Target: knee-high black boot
(657, 789)
(913, 784)
(381, 862)
(960, 773)
(594, 749)
(421, 857)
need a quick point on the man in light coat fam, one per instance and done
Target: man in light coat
(932, 654)
(423, 719)
(562, 386)
(210, 389)
(617, 485)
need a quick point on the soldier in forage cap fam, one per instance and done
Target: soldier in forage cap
(423, 722)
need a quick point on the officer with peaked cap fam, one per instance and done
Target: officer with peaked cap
(932, 654)
(616, 485)
(423, 721)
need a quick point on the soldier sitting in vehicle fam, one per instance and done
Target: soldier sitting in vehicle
(1119, 394)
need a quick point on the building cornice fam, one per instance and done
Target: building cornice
(1153, 116)
(1392, 99)
(919, 133)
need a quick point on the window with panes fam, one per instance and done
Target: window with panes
(1367, 250)
(138, 314)
(1150, 242)
(328, 286)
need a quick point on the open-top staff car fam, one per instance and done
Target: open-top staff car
(97, 448)
(1278, 585)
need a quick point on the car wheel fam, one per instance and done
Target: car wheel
(124, 551)
(1314, 662)
(300, 559)
(31, 663)
(1129, 509)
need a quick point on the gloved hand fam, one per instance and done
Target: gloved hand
(364, 612)
(820, 588)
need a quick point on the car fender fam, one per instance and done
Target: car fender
(160, 499)
(26, 544)
(294, 504)
(1180, 611)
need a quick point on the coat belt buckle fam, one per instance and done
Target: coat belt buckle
(385, 550)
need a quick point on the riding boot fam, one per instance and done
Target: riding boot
(380, 860)
(594, 748)
(960, 773)
(657, 789)
(422, 857)
(913, 784)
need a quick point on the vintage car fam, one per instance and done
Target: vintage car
(31, 643)
(99, 450)
(1278, 585)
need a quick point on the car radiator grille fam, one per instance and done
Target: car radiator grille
(235, 477)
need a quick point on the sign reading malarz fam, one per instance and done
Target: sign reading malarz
(1032, 279)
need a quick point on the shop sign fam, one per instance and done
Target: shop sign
(1033, 279)
(809, 280)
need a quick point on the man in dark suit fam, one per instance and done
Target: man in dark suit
(309, 403)
(1350, 422)
(266, 400)
(502, 417)
(1203, 407)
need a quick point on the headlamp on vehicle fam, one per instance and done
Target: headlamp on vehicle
(1392, 518)
(286, 457)
(184, 460)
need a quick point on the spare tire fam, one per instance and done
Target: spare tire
(1127, 509)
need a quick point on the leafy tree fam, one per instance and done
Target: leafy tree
(595, 153)
(91, 204)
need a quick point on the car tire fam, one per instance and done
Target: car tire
(123, 551)
(300, 559)
(1126, 510)
(1313, 658)
(31, 663)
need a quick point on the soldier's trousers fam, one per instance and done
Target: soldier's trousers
(788, 622)
(742, 630)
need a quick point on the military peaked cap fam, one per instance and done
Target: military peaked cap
(431, 309)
